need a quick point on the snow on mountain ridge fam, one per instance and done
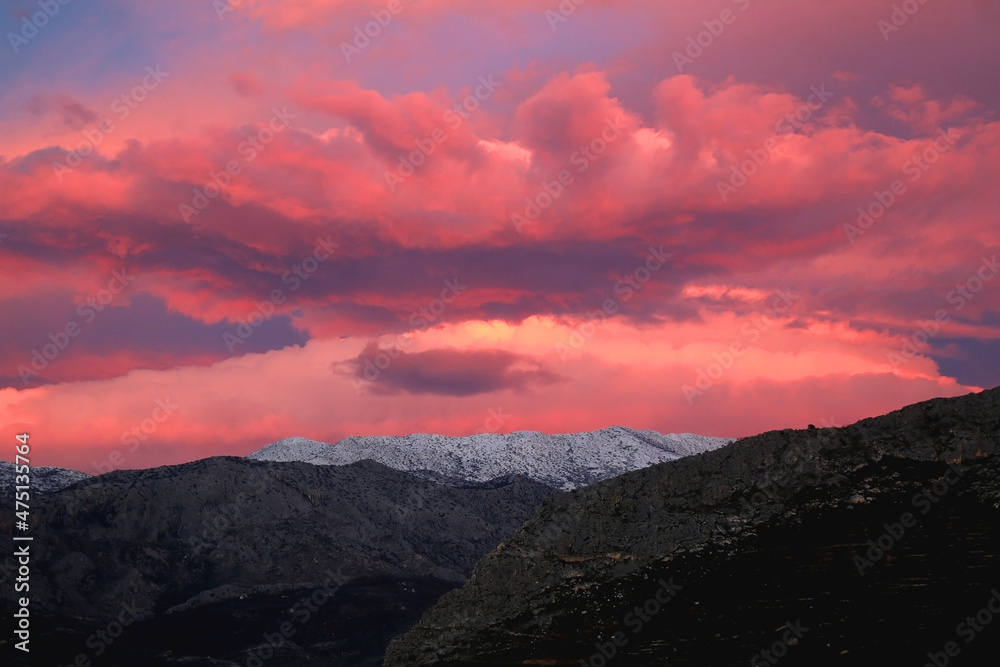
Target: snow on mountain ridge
(44, 479)
(565, 461)
(292, 449)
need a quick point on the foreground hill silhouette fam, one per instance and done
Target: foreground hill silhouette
(227, 561)
(873, 544)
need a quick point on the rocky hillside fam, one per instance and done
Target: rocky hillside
(563, 461)
(44, 479)
(874, 544)
(204, 563)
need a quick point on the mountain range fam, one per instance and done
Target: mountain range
(237, 544)
(244, 547)
(872, 544)
(562, 461)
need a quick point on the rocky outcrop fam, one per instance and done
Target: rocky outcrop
(864, 545)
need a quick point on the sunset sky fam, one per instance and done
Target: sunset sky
(225, 223)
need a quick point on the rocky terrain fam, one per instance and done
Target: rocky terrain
(563, 461)
(873, 544)
(44, 479)
(228, 561)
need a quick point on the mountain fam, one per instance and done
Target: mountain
(562, 461)
(44, 479)
(226, 560)
(873, 544)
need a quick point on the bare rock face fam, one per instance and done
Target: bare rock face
(227, 561)
(874, 544)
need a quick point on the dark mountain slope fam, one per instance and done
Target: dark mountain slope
(718, 551)
(205, 558)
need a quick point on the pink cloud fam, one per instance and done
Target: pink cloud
(678, 167)
(228, 404)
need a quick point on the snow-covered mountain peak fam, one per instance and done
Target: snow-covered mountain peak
(44, 479)
(292, 449)
(564, 460)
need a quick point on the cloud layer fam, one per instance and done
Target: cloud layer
(664, 215)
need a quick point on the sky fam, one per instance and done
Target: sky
(226, 222)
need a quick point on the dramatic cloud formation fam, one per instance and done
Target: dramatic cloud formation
(337, 217)
(445, 372)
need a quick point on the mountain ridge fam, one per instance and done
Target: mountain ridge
(564, 460)
(234, 543)
(44, 479)
(757, 532)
